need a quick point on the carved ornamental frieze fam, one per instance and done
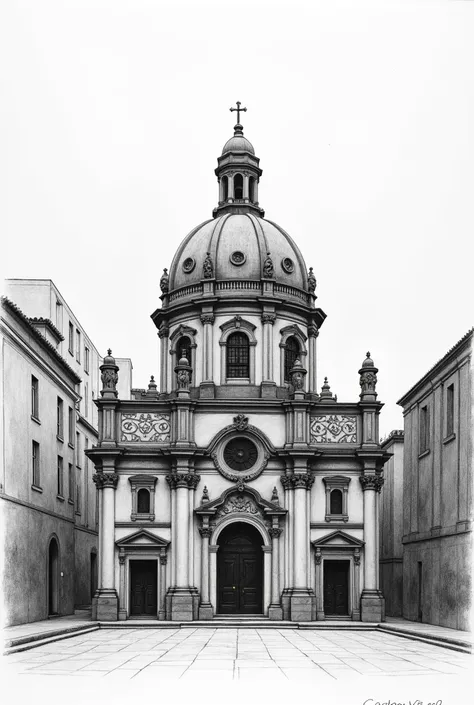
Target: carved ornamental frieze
(334, 428)
(242, 504)
(145, 428)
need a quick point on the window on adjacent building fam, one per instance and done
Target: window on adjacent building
(60, 418)
(60, 476)
(86, 359)
(450, 410)
(86, 400)
(238, 357)
(35, 457)
(71, 338)
(78, 345)
(424, 428)
(70, 473)
(292, 351)
(78, 490)
(78, 449)
(71, 426)
(34, 397)
(336, 502)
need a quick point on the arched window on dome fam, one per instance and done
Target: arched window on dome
(252, 190)
(292, 351)
(336, 502)
(143, 501)
(238, 187)
(237, 357)
(225, 188)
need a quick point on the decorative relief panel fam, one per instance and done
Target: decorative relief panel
(240, 504)
(145, 428)
(334, 428)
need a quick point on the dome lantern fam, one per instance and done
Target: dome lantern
(238, 174)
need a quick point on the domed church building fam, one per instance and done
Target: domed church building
(239, 486)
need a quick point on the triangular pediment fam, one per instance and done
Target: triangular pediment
(339, 539)
(241, 492)
(142, 538)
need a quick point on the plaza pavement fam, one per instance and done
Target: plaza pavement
(196, 654)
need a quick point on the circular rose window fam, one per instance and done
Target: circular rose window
(240, 454)
(237, 258)
(288, 265)
(188, 265)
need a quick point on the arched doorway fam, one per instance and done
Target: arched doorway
(240, 570)
(53, 577)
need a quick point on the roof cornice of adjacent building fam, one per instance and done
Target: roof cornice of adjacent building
(49, 324)
(13, 308)
(393, 436)
(451, 354)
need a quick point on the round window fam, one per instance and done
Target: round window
(240, 454)
(237, 258)
(287, 265)
(188, 265)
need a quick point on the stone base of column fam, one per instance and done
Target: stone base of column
(275, 612)
(207, 390)
(320, 616)
(205, 611)
(181, 604)
(285, 603)
(105, 606)
(122, 615)
(268, 390)
(302, 605)
(372, 606)
(162, 615)
(196, 601)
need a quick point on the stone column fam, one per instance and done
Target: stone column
(267, 577)
(162, 609)
(285, 597)
(268, 383)
(246, 187)
(207, 387)
(106, 603)
(182, 537)
(312, 381)
(356, 592)
(213, 548)
(319, 585)
(163, 335)
(275, 611)
(122, 613)
(372, 604)
(301, 602)
(231, 185)
(205, 608)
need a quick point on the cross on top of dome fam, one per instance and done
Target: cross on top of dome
(238, 110)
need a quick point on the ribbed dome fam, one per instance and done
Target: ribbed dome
(238, 143)
(238, 245)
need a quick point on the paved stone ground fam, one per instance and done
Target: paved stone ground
(191, 654)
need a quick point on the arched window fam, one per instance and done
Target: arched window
(183, 344)
(143, 501)
(336, 502)
(252, 189)
(238, 187)
(292, 350)
(225, 188)
(238, 366)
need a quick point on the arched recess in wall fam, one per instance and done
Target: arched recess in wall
(93, 572)
(237, 327)
(179, 337)
(300, 339)
(238, 187)
(53, 576)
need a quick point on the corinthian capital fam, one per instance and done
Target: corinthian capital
(189, 480)
(207, 318)
(305, 480)
(105, 479)
(371, 482)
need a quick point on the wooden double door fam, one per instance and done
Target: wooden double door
(240, 570)
(336, 587)
(143, 588)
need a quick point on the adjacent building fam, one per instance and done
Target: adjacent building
(239, 486)
(48, 502)
(437, 492)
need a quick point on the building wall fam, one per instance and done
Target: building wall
(437, 518)
(391, 526)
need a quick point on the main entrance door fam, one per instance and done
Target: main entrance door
(239, 570)
(143, 588)
(336, 587)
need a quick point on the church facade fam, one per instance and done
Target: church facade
(236, 487)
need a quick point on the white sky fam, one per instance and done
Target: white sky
(115, 113)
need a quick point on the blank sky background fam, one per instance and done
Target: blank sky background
(114, 114)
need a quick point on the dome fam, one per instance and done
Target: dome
(368, 362)
(238, 143)
(238, 245)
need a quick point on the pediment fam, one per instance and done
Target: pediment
(241, 496)
(183, 330)
(338, 539)
(142, 538)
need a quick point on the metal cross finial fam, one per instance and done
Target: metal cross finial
(238, 110)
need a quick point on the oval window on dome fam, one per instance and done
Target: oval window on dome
(237, 258)
(189, 264)
(288, 265)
